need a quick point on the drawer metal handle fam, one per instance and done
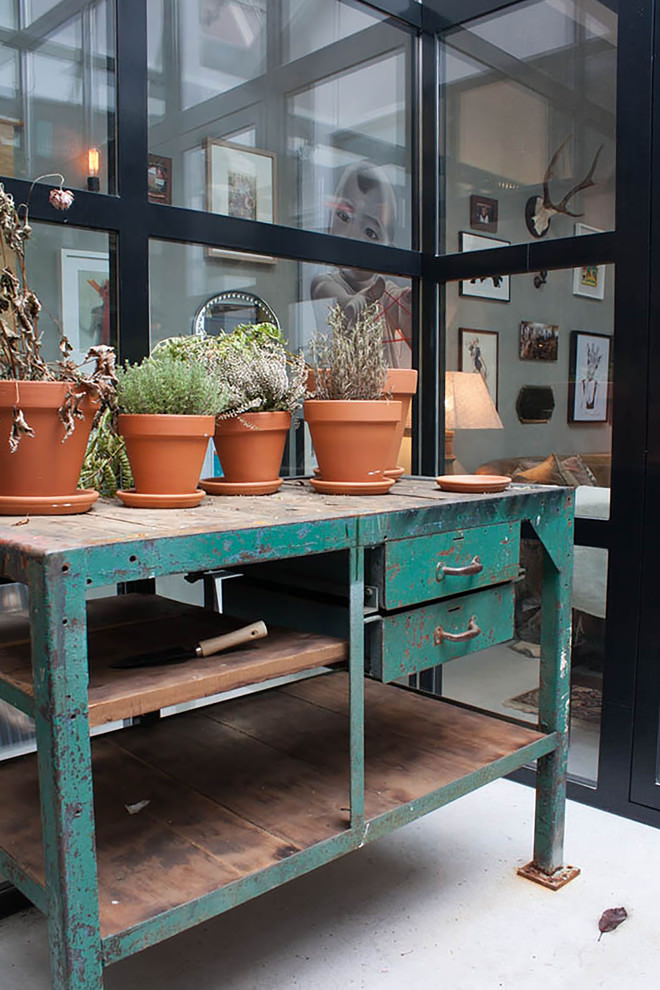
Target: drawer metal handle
(474, 567)
(473, 630)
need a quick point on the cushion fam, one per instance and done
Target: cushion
(577, 469)
(548, 472)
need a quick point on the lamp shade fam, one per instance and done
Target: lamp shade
(468, 405)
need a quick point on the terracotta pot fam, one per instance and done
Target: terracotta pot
(352, 439)
(43, 466)
(250, 446)
(166, 452)
(401, 384)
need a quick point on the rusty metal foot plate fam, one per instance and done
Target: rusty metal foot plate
(560, 877)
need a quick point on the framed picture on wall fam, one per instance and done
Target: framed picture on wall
(240, 182)
(478, 352)
(538, 341)
(483, 213)
(159, 179)
(84, 285)
(488, 286)
(589, 280)
(588, 377)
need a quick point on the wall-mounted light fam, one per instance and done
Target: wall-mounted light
(93, 169)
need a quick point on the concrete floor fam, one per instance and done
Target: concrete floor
(435, 905)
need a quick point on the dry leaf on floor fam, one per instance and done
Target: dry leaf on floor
(611, 919)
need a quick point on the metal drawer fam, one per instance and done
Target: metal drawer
(429, 567)
(407, 642)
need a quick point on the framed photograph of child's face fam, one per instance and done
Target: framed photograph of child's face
(483, 286)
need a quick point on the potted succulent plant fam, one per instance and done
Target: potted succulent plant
(264, 384)
(351, 419)
(46, 408)
(167, 409)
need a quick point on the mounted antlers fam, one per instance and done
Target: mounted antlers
(539, 210)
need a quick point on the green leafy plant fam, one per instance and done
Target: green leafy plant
(167, 385)
(349, 362)
(20, 342)
(253, 364)
(106, 467)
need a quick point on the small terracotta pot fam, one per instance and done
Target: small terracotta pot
(43, 465)
(166, 452)
(352, 439)
(401, 384)
(250, 446)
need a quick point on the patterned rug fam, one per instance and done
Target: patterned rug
(586, 702)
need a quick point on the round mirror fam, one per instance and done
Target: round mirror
(223, 313)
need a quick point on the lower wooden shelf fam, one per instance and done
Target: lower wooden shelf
(126, 625)
(241, 785)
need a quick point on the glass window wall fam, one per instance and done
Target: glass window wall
(184, 277)
(246, 130)
(529, 116)
(57, 91)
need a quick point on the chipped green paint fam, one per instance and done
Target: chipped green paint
(414, 570)
(407, 642)
(58, 580)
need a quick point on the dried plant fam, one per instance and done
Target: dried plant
(20, 343)
(349, 362)
(257, 371)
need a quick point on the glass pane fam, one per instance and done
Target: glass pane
(312, 24)
(529, 104)
(8, 14)
(57, 94)
(69, 269)
(542, 344)
(537, 349)
(338, 98)
(184, 277)
(505, 678)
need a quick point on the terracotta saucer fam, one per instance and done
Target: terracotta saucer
(218, 486)
(48, 505)
(475, 483)
(395, 472)
(145, 500)
(351, 487)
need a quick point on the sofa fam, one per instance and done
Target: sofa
(593, 470)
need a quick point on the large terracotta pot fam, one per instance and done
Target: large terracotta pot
(41, 476)
(401, 385)
(250, 449)
(166, 452)
(352, 440)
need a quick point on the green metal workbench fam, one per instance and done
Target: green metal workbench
(248, 793)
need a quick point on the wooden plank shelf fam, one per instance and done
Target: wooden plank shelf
(125, 625)
(241, 785)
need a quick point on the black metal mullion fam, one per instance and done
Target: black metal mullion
(633, 272)
(428, 419)
(564, 252)
(646, 704)
(199, 227)
(132, 152)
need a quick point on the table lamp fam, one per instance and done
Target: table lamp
(468, 406)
